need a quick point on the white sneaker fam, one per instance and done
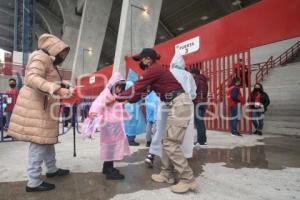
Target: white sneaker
(196, 144)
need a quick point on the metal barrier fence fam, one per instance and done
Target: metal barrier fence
(67, 120)
(3, 103)
(219, 72)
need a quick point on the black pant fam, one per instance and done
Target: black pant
(67, 116)
(108, 165)
(199, 123)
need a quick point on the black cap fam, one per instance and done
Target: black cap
(147, 52)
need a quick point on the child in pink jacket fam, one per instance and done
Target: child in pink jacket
(109, 117)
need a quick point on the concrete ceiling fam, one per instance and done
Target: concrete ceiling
(7, 24)
(177, 17)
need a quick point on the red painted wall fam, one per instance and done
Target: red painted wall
(265, 22)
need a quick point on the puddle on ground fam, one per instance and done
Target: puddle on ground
(277, 154)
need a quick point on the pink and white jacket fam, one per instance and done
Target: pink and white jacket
(109, 121)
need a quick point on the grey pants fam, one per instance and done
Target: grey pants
(149, 131)
(37, 154)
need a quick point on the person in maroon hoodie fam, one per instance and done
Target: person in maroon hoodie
(200, 105)
(11, 100)
(234, 97)
(160, 80)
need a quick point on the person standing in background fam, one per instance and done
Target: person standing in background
(200, 105)
(152, 102)
(11, 99)
(137, 124)
(234, 97)
(259, 103)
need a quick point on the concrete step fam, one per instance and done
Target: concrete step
(283, 75)
(282, 118)
(283, 88)
(282, 131)
(282, 82)
(286, 103)
(283, 111)
(282, 124)
(287, 106)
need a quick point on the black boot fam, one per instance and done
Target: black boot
(41, 188)
(113, 174)
(259, 133)
(107, 165)
(148, 144)
(133, 143)
(59, 172)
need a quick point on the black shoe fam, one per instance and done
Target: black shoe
(133, 143)
(259, 133)
(59, 172)
(107, 170)
(41, 188)
(150, 160)
(255, 132)
(148, 144)
(114, 175)
(236, 134)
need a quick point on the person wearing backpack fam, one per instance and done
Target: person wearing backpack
(234, 97)
(259, 103)
(200, 105)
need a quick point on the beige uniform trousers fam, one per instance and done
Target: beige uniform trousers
(177, 123)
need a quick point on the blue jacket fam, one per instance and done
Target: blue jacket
(152, 102)
(136, 125)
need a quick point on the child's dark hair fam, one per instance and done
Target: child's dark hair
(235, 80)
(121, 84)
(12, 79)
(194, 70)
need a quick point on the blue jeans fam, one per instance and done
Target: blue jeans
(199, 123)
(131, 138)
(258, 120)
(8, 115)
(234, 120)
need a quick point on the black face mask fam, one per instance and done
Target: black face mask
(58, 60)
(257, 89)
(12, 85)
(143, 66)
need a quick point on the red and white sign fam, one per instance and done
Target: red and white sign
(188, 46)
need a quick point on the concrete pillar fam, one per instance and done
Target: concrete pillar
(137, 29)
(70, 29)
(52, 22)
(91, 35)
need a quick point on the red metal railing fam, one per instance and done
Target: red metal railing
(219, 72)
(264, 68)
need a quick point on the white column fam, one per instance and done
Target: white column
(137, 30)
(91, 35)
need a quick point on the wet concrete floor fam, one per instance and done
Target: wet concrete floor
(277, 154)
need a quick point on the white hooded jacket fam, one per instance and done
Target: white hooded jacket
(184, 77)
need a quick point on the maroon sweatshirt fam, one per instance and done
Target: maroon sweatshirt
(202, 88)
(156, 78)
